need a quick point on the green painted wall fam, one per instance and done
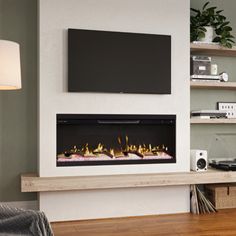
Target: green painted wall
(219, 140)
(18, 109)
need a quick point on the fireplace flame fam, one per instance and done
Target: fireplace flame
(140, 150)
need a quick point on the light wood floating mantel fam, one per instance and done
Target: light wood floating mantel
(213, 85)
(212, 121)
(212, 50)
(33, 183)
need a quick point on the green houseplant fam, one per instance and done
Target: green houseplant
(200, 20)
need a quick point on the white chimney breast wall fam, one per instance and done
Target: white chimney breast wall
(168, 17)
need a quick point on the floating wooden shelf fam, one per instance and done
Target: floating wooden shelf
(212, 121)
(213, 85)
(33, 183)
(212, 50)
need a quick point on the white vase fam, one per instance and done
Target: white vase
(208, 35)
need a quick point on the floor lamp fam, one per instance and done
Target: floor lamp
(10, 69)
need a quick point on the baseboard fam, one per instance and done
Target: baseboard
(28, 205)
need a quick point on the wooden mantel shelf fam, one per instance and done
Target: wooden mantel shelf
(33, 183)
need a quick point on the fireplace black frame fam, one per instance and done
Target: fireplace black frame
(73, 119)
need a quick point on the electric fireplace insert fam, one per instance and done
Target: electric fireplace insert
(84, 140)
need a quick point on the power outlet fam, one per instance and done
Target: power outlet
(229, 107)
(231, 114)
(226, 106)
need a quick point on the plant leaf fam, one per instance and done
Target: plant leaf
(211, 8)
(225, 34)
(216, 39)
(193, 20)
(205, 5)
(218, 12)
(224, 24)
(195, 10)
(202, 29)
(223, 41)
(218, 31)
(228, 28)
(222, 18)
(228, 45)
(230, 40)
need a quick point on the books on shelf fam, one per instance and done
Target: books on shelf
(199, 204)
(208, 114)
(215, 78)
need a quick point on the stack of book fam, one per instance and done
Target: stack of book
(199, 203)
(216, 78)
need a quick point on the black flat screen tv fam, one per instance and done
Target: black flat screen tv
(118, 62)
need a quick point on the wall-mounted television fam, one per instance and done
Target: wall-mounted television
(118, 62)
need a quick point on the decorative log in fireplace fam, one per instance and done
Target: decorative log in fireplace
(115, 139)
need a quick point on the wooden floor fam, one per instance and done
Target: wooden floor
(217, 224)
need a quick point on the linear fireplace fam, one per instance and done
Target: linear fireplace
(84, 140)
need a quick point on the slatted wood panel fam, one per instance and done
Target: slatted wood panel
(32, 183)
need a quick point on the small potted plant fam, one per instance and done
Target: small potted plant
(206, 22)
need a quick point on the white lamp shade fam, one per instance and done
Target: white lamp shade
(10, 69)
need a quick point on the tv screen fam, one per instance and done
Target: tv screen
(118, 62)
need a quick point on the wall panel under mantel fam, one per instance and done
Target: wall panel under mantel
(168, 17)
(94, 204)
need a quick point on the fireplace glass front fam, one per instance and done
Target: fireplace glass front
(84, 140)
